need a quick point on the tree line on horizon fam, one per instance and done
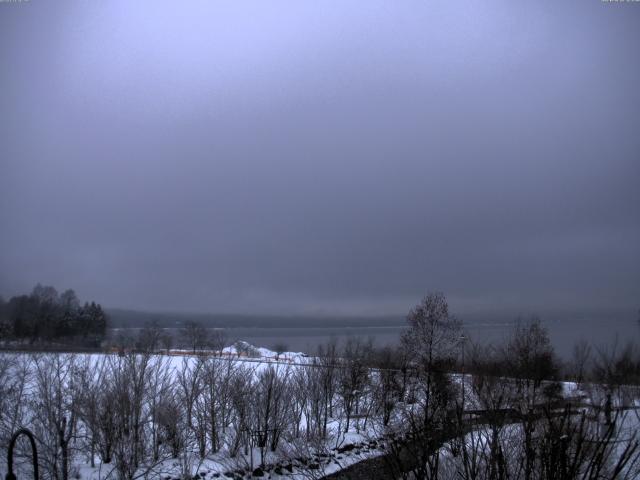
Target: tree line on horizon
(46, 315)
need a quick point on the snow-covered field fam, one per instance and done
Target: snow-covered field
(300, 452)
(237, 413)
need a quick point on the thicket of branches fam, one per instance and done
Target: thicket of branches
(505, 414)
(130, 413)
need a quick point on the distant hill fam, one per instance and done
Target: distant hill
(121, 318)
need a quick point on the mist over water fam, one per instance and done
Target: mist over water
(602, 331)
(563, 334)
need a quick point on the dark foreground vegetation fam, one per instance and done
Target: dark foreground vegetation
(438, 406)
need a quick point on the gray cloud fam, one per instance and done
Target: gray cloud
(303, 157)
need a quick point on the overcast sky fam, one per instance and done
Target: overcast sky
(317, 156)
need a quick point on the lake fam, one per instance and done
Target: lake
(564, 334)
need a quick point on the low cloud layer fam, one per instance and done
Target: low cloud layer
(322, 157)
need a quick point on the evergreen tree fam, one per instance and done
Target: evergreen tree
(44, 315)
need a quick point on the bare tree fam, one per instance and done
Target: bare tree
(159, 393)
(310, 397)
(190, 389)
(217, 339)
(328, 360)
(580, 362)
(217, 375)
(279, 348)
(387, 388)
(94, 380)
(15, 373)
(55, 407)
(271, 413)
(169, 417)
(150, 337)
(481, 452)
(532, 361)
(300, 398)
(242, 386)
(194, 335)
(129, 375)
(431, 343)
(353, 377)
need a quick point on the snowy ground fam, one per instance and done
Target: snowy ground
(291, 460)
(340, 449)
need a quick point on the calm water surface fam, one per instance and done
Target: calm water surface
(564, 334)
